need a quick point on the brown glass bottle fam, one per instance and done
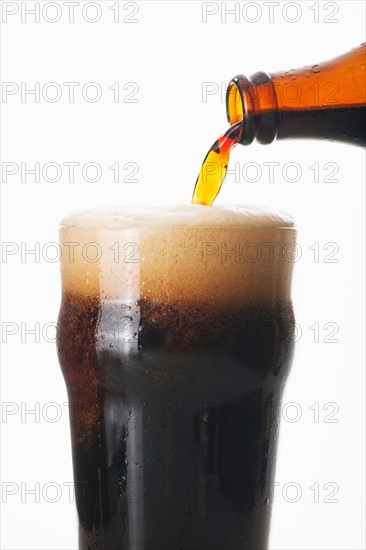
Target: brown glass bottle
(320, 101)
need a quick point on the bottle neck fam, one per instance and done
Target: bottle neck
(253, 102)
(323, 101)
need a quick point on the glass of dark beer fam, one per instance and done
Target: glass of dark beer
(175, 338)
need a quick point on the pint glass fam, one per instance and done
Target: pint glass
(175, 341)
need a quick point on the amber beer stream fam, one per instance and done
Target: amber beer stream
(175, 340)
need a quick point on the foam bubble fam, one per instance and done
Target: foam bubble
(191, 253)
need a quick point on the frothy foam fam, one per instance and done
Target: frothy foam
(192, 214)
(192, 253)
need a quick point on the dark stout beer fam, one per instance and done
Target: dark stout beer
(175, 346)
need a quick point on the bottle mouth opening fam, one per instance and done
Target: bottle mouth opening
(238, 94)
(244, 104)
(234, 103)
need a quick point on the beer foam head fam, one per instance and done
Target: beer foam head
(218, 254)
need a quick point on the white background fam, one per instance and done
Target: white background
(170, 54)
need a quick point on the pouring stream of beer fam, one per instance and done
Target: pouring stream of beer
(214, 167)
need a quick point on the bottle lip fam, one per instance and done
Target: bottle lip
(244, 104)
(237, 109)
